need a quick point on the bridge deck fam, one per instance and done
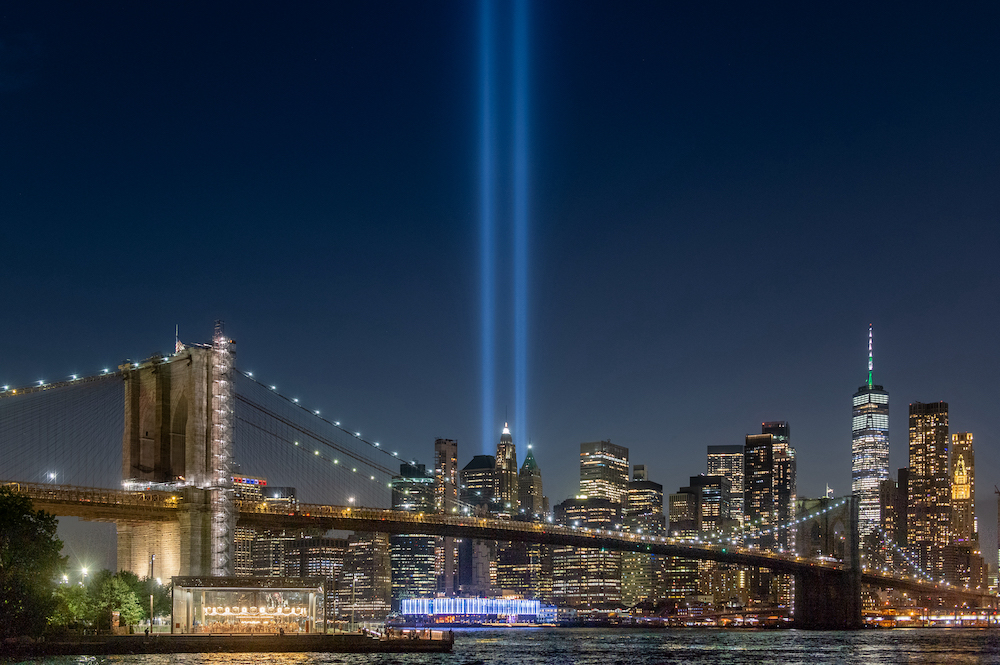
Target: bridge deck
(100, 504)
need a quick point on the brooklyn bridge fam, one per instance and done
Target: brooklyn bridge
(152, 446)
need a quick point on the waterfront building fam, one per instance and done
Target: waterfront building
(506, 493)
(727, 461)
(869, 447)
(929, 492)
(604, 471)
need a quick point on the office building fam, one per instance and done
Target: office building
(506, 493)
(477, 482)
(413, 555)
(929, 497)
(643, 574)
(365, 588)
(585, 577)
(869, 447)
(604, 471)
(964, 528)
(529, 488)
(318, 557)
(446, 485)
(477, 571)
(770, 486)
(727, 461)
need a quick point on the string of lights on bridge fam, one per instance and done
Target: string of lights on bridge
(719, 537)
(108, 373)
(916, 567)
(294, 401)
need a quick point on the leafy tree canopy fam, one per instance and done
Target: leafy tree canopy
(29, 561)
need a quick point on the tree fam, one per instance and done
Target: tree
(29, 561)
(73, 606)
(115, 595)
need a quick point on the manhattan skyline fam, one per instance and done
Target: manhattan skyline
(721, 203)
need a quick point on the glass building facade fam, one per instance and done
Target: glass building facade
(928, 506)
(604, 471)
(869, 448)
(727, 461)
(247, 605)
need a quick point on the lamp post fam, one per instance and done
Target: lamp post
(152, 559)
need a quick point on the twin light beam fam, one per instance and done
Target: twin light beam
(488, 219)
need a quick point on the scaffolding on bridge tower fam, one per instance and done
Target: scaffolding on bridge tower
(223, 514)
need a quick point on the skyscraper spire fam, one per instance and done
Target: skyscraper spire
(870, 364)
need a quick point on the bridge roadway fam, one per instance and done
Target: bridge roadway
(98, 504)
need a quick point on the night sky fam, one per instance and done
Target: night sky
(722, 198)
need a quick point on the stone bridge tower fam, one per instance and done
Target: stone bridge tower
(825, 600)
(178, 436)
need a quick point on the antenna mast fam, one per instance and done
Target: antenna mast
(870, 363)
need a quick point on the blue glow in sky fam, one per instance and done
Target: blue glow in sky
(487, 225)
(521, 180)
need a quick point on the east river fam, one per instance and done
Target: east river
(597, 646)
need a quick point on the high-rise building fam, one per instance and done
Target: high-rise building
(478, 482)
(477, 572)
(642, 574)
(713, 505)
(869, 447)
(446, 501)
(964, 528)
(727, 461)
(769, 496)
(318, 557)
(445, 475)
(529, 487)
(929, 498)
(365, 587)
(604, 471)
(506, 473)
(769, 490)
(413, 555)
(785, 493)
(586, 577)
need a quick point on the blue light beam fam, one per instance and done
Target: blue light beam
(487, 222)
(521, 221)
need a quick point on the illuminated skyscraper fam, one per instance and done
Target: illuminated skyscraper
(869, 447)
(929, 501)
(413, 555)
(506, 473)
(727, 461)
(604, 471)
(964, 528)
(445, 475)
(446, 501)
(769, 491)
(529, 487)
(586, 577)
(642, 573)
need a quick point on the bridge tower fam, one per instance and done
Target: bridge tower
(178, 436)
(826, 600)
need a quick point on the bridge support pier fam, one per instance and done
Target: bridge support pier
(828, 600)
